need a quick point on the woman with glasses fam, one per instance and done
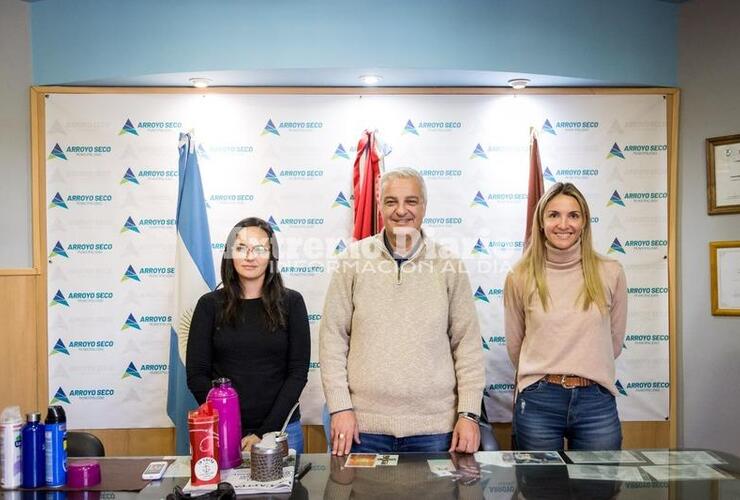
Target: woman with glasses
(565, 310)
(254, 331)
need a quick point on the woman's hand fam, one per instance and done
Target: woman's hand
(344, 430)
(249, 441)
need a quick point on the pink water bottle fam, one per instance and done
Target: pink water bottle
(225, 400)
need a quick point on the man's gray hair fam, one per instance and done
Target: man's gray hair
(404, 173)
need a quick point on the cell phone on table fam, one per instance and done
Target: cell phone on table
(155, 470)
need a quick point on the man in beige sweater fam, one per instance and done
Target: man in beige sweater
(400, 350)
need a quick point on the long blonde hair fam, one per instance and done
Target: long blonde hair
(531, 267)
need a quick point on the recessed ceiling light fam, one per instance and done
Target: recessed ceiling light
(370, 79)
(518, 83)
(200, 83)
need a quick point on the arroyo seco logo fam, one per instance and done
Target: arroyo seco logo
(481, 295)
(83, 296)
(479, 153)
(569, 174)
(636, 245)
(83, 248)
(58, 202)
(615, 199)
(341, 247)
(314, 318)
(129, 177)
(301, 222)
(154, 272)
(59, 397)
(500, 245)
(230, 198)
(431, 126)
(482, 200)
(340, 152)
(273, 224)
(92, 345)
(479, 248)
(79, 150)
(308, 270)
(128, 128)
(636, 149)
(57, 153)
(645, 196)
(130, 226)
(90, 393)
(342, 201)
(641, 386)
(156, 126)
(442, 221)
(491, 389)
(292, 175)
(90, 199)
(645, 339)
(440, 173)
(314, 365)
(147, 368)
(646, 291)
(153, 174)
(499, 340)
(569, 126)
(224, 149)
(147, 319)
(291, 126)
(130, 274)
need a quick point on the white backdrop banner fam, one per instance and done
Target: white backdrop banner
(112, 189)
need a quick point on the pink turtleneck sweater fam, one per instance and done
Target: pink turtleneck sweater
(565, 339)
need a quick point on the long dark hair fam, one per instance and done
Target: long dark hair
(272, 288)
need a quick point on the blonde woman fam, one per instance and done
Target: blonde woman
(565, 310)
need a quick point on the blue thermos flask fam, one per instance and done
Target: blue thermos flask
(34, 460)
(55, 432)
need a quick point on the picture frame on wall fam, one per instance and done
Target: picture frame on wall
(724, 265)
(723, 174)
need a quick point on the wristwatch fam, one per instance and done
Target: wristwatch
(470, 416)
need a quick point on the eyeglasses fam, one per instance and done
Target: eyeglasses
(244, 251)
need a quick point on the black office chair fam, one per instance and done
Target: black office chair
(84, 444)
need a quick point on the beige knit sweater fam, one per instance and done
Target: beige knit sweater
(565, 339)
(401, 346)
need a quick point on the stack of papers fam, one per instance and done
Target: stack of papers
(241, 480)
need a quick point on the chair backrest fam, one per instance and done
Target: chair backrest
(84, 444)
(488, 440)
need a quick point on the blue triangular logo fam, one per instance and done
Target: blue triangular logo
(273, 224)
(59, 397)
(270, 128)
(130, 323)
(58, 250)
(57, 152)
(615, 152)
(128, 128)
(58, 201)
(59, 299)
(341, 247)
(130, 274)
(546, 127)
(340, 153)
(59, 348)
(130, 225)
(129, 177)
(481, 295)
(340, 201)
(410, 129)
(479, 200)
(270, 176)
(615, 199)
(548, 175)
(616, 247)
(131, 371)
(478, 152)
(479, 248)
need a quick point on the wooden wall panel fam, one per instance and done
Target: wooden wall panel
(137, 442)
(18, 342)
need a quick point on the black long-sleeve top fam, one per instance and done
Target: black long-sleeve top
(268, 369)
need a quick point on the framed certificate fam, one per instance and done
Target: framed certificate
(724, 265)
(723, 174)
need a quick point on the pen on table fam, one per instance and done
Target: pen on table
(304, 470)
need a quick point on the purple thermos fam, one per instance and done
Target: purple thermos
(224, 398)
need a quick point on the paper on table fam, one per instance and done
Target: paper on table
(241, 480)
(509, 458)
(684, 472)
(441, 467)
(682, 457)
(605, 473)
(604, 457)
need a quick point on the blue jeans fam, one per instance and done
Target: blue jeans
(384, 443)
(295, 436)
(546, 413)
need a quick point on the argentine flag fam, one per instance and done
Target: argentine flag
(194, 276)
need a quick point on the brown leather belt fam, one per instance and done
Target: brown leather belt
(569, 381)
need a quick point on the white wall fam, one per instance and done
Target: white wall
(15, 167)
(709, 78)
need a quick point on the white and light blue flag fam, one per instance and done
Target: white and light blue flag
(194, 276)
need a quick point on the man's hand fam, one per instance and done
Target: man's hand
(249, 441)
(466, 436)
(343, 430)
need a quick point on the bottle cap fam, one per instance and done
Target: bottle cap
(223, 381)
(55, 415)
(33, 417)
(83, 473)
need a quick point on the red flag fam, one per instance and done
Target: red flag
(367, 220)
(536, 184)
